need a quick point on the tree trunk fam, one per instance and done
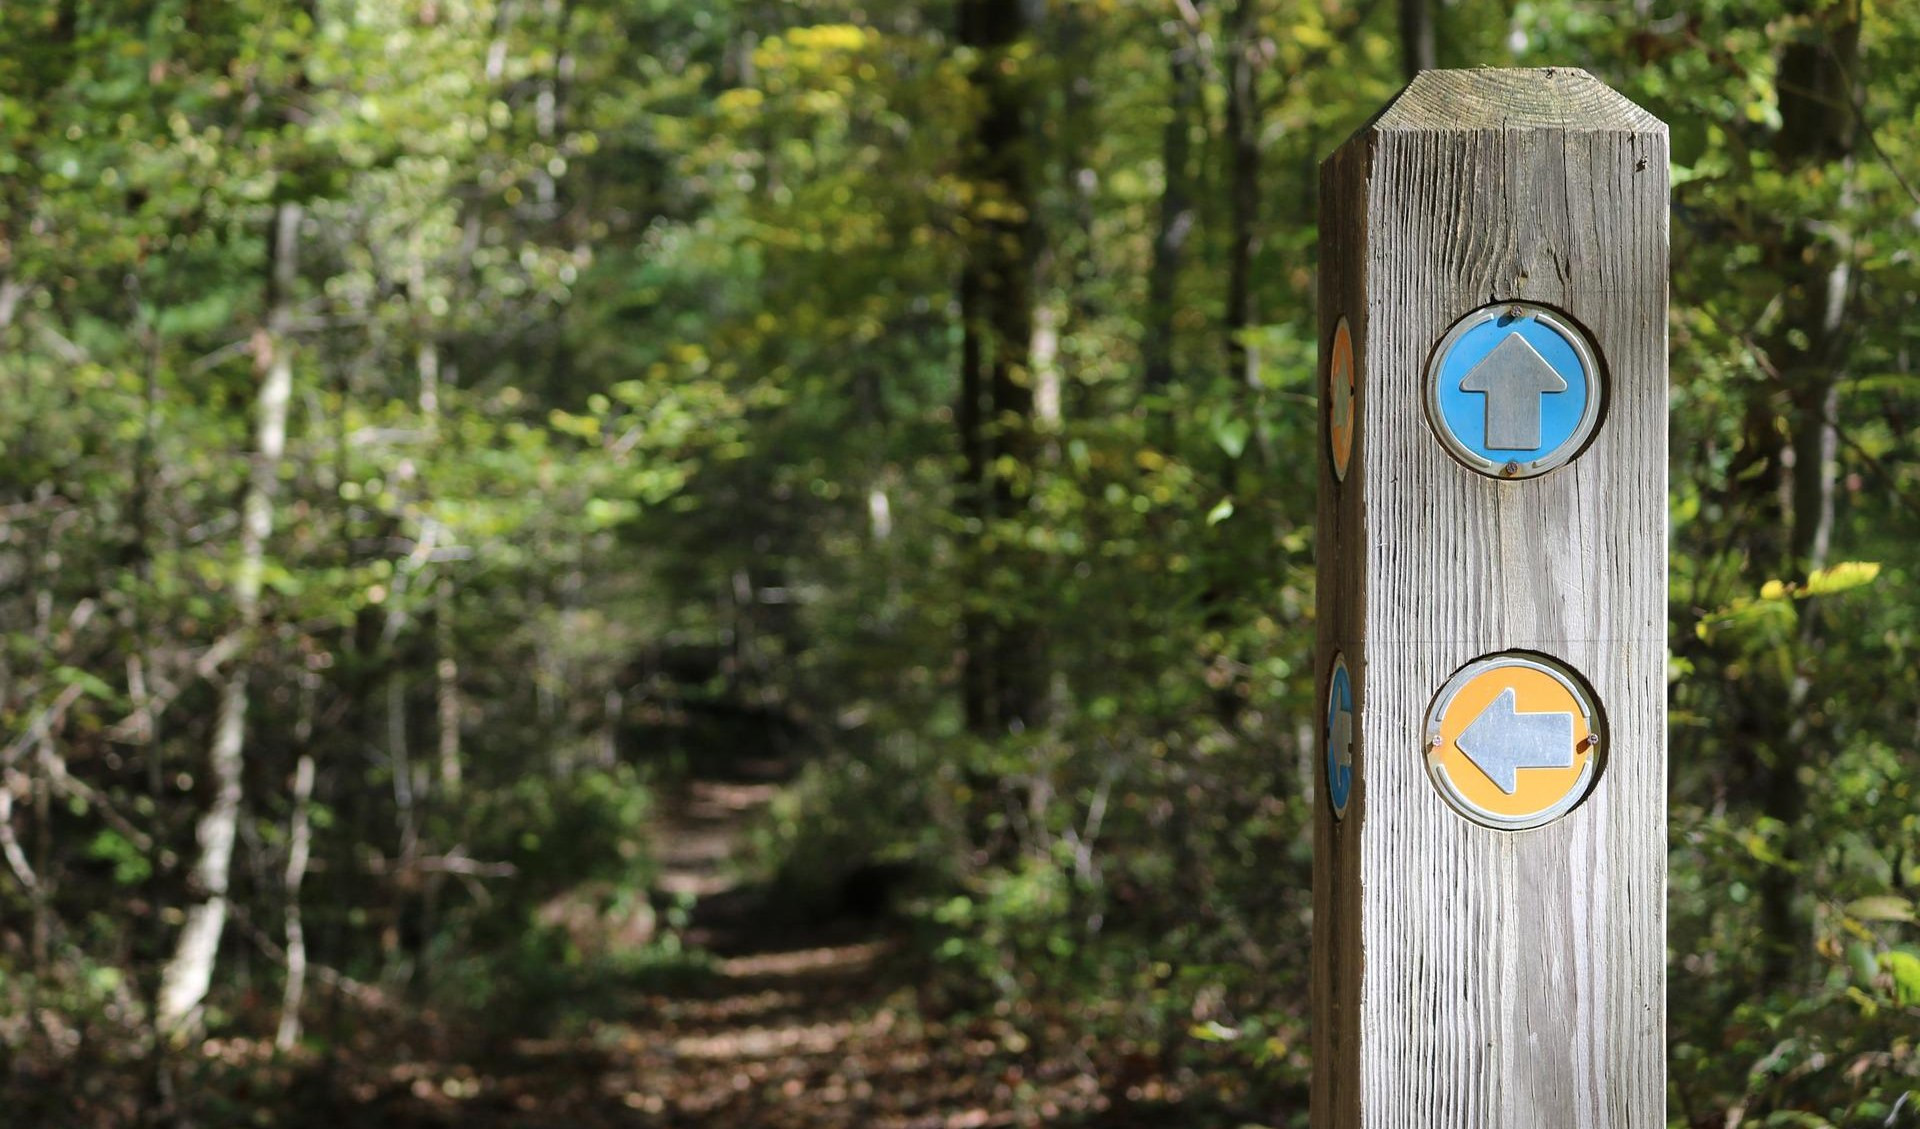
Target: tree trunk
(1243, 138)
(299, 847)
(427, 364)
(1003, 664)
(1808, 350)
(970, 500)
(1417, 52)
(1176, 204)
(446, 671)
(1078, 51)
(184, 983)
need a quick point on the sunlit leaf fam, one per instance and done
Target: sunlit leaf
(1882, 907)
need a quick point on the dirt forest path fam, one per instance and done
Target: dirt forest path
(788, 1028)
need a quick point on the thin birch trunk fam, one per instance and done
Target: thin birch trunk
(299, 848)
(446, 672)
(183, 986)
(446, 669)
(427, 362)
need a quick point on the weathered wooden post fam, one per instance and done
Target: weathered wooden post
(1490, 856)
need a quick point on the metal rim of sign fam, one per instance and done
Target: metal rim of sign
(1339, 799)
(1569, 448)
(1340, 366)
(1583, 697)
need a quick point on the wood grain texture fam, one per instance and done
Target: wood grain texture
(1465, 976)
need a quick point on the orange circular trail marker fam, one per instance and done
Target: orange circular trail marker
(1340, 414)
(1514, 741)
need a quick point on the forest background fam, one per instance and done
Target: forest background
(434, 430)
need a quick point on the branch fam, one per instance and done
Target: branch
(70, 786)
(220, 356)
(63, 346)
(455, 862)
(1773, 374)
(42, 724)
(9, 843)
(355, 990)
(1856, 108)
(137, 727)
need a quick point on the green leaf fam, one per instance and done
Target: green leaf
(1221, 511)
(1840, 577)
(130, 865)
(1863, 961)
(1823, 582)
(1212, 1032)
(1882, 907)
(1798, 1119)
(1904, 965)
(1231, 434)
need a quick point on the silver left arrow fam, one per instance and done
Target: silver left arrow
(1502, 741)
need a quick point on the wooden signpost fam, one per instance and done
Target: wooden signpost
(1490, 841)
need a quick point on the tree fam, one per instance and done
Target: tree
(184, 984)
(1003, 671)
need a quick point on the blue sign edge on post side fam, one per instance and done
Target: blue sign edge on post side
(1339, 691)
(1562, 343)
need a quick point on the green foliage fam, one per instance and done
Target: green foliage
(626, 439)
(562, 832)
(837, 817)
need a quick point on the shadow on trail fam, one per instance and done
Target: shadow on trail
(743, 1014)
(768, 1023)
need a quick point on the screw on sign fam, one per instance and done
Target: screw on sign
(1513, 741)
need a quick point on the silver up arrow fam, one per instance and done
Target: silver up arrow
(1342, 739)
(1514, 377)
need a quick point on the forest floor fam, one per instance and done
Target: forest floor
(776, 1027)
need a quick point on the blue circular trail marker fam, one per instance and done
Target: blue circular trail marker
(1514, 390)
(1339, 737)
